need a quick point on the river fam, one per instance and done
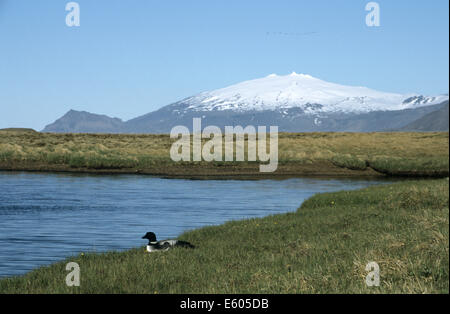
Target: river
(46, 217)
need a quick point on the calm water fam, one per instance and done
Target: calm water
(48, 217)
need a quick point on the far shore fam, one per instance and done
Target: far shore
(364, 155)
(205, 173)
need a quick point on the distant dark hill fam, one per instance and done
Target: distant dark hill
(85, 122)
(432, 122)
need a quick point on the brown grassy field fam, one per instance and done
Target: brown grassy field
(300, 154)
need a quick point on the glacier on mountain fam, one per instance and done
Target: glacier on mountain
(312, 95)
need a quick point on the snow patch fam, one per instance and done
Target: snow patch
(303, 91)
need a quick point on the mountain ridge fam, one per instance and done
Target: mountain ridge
(295, 102)
(436, 121)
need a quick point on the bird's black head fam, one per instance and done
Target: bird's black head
(150, 236)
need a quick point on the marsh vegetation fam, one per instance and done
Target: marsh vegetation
(322, 154)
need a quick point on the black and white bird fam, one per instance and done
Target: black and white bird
(163, 245)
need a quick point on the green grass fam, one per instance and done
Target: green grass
(420, 166)
(322, 248)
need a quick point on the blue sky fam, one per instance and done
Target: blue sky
(128, 58)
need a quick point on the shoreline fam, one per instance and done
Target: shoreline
(368, 175)
(180, 235)
(341, 185)
(204, 173)
(386, 219)
(233, 174)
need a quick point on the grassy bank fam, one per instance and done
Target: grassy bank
(322, 248)
(300, 154)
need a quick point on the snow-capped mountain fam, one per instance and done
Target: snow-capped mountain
(312, 95)
(294, 103)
